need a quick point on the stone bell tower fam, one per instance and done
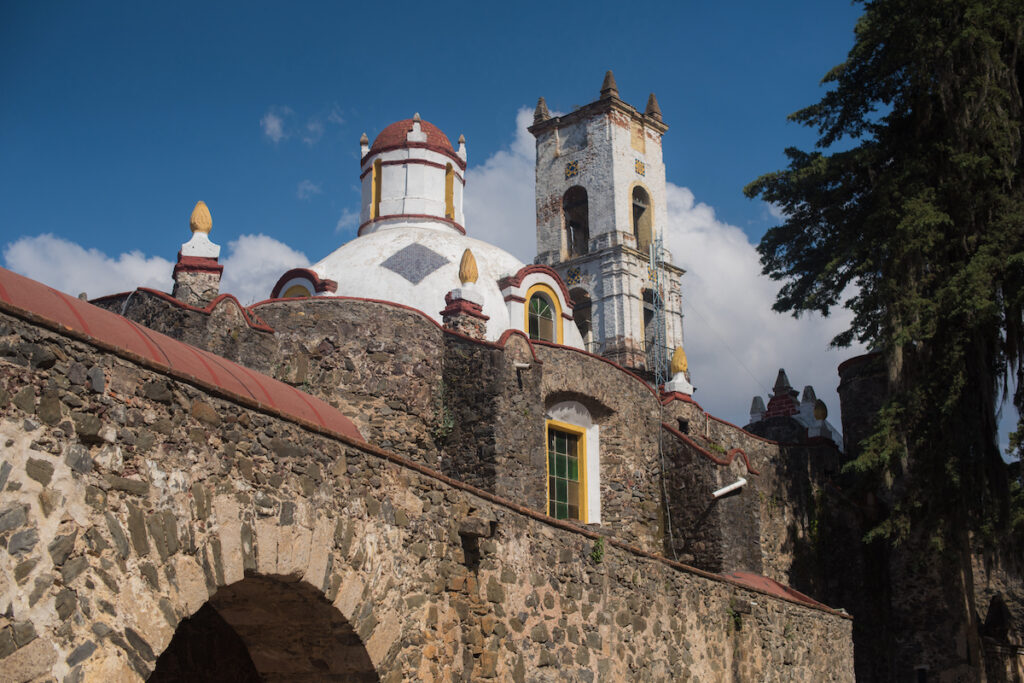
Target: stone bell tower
(601, 209)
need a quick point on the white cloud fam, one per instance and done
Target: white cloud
(313, 132)
(253, 265)
(499, 199)
(775, 211)
(734, 341)
(307, 188)
(335, 116)
(273, 123)
(74, 269)
(349, 219)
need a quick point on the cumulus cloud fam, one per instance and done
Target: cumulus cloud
(499, 200)
(734, 341)
(307, 188)
(252, 264)
(73, 269)
(273, 123)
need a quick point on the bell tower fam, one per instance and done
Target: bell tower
(601, 214)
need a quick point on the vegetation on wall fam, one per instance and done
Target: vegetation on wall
(912, 206)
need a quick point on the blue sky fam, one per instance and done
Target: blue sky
(117, 117)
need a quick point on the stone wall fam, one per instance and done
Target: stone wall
(132, 500)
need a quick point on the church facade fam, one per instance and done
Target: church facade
(419, 459)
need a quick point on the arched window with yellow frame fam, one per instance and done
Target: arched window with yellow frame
(567, 471)
(296, 292)
(643, 218)
(543, 314)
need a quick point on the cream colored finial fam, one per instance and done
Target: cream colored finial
(679, 363)
(820, 410)
(467, 268)
(416, 116)
(201, 221)
(363, 140)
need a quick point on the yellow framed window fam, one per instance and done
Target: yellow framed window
(566, 471)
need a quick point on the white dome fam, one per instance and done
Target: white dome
(417, 267)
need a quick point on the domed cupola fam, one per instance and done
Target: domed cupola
(412, 176)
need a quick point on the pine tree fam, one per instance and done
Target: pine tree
(913, 201)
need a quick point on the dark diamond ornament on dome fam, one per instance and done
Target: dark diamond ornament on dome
(414, 262)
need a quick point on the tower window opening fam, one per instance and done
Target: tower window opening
(642, 219)
(575, 221)
(449, 192)
(581, 314)
(542, 318)
(375, 190)
(650, 330)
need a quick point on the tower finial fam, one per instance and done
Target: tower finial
(608, 87)
(416, 117)
(541, 113)
(467, 268)
(653, 110)
(363, 140)
(200, 221)
(679, 363)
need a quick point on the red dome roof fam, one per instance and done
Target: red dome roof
(394, 136)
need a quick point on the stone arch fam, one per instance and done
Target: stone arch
(265, 628)
(332, 571)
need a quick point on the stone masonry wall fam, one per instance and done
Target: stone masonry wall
(130, 500)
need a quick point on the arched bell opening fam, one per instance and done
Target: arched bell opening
(265, 629)
(575, 221)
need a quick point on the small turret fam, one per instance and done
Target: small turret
(608, 87)
(463, 311)
(364, 145)
(653, 110)
(197, 273)
(757, 409)
(541, 113)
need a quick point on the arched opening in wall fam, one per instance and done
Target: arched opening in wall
(581, 313)
(375, 189)
(262, 629)
(575, 221)
(642, 218)
(449, 192)
(295, 292)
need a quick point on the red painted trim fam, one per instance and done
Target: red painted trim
(197, 264)
(730, 456)
(402, 162)
(319, 285)
(517, 279)
(676, 396)
(375, 151)
(513, 297)
(251, 320)
(462, 307)
(449, 221)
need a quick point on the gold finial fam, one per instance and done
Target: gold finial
(467, 268)
(679, 363)
(820, 410)
(201, 221)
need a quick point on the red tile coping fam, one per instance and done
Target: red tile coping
(727, 460)
(40, 304)
(319, 285)
(772, 587)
